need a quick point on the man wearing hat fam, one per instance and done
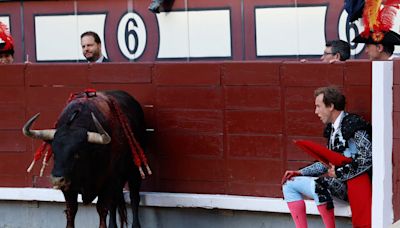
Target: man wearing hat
(377, 36)
(6, 46)
(379, 49)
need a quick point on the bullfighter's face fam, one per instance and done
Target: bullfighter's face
(323, 111)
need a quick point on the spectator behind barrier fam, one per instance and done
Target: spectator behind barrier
(336, 50)
(6, 45)
(91, 47)
(377, 36)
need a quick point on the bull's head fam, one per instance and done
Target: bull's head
(67, 142)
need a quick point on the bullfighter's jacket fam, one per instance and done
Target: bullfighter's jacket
(353, 138)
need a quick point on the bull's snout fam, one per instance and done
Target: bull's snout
(59, 182)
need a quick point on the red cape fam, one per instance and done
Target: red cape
(321, 153)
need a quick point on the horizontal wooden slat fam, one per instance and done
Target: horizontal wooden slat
(255, 146)
(126, 73)
(57, 74)
(254, 189)
(12, 95)
(12, 75)
(181, 144)
(303, 123)
(12, 141)
(189, 97)
(194, 74)
(312, 74)
(190, 120)
(12, 117)
(358, 72)
(251, 73)
(193, 169)
(254, 171)
(266, 97)
(258, 122)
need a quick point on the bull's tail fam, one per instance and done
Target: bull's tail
(121, 205)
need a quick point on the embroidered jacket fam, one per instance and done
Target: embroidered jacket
(352, 139)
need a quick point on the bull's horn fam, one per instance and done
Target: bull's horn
(47, 134)
(99, 138)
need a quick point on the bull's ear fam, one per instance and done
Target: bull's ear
(73, 117)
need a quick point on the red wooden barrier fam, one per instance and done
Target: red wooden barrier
(220, 128)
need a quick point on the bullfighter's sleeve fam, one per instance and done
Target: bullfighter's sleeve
(362, 161)
(314, 170)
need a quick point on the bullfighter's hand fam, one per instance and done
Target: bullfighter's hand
(331, 171)
(289, 174)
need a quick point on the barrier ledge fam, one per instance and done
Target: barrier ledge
(181, 200)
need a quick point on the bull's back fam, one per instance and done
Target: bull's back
(132, 109)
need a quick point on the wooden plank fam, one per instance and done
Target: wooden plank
(189, 97)
(12, 141)
(12, 75)
(57, 74)
(193, 186)
(251, 73)
(173, 143)
(254, 189)
(299, 98)
(190, 121)
(312, 74)
(12, 117)
(254, 97)
(303, 123)
(12, 95)
(254, 171)
(254, 121)
(358, 72)
(191, 169)
(255, 146)
(194, 74)
(358, 98)
(126, 73)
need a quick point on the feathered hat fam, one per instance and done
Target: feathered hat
(378, 21)
(6, 40)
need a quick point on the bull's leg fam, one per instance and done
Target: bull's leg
(102, 210)
(71, 201)
(112, 223)
(134, 187)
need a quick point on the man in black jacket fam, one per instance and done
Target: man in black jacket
(91, 47)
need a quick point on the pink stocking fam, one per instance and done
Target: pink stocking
(298, 212)
(327, 215)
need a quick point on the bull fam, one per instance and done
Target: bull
(98, 146)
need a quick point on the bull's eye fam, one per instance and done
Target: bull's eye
(76, 156)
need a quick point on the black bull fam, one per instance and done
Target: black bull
(95, 158)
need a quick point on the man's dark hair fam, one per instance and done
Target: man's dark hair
(388, 48)
(92, 34)
(332, 96)
(341, 47)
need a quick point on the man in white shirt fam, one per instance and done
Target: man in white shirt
(349, 135)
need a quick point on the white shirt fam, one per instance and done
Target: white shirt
(335, 126)
(100, 60)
